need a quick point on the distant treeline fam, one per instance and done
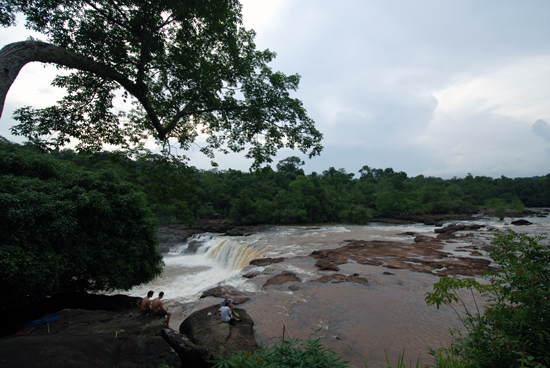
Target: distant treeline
(289, 196)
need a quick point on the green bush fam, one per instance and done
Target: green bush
(514, 328)
(291, 353)
(65, 229)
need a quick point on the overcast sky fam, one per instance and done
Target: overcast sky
(439, 88)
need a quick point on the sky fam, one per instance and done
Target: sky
(438, 88)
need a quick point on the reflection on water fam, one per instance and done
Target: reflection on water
(357, 321)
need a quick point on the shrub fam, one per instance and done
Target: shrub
(514, 328)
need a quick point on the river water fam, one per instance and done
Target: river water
(362, 323)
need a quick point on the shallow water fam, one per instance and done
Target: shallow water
(357, 321)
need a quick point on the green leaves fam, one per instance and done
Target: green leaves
(63, 229)
(292, 352)
(514, 328)
(189, 66)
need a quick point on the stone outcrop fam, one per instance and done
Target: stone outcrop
(283, 277)
(265, 261)
(218, 337)
(338, 278)
(84, 338)
(221, 291)
(76, 300)
(423, 255)
(124, 339)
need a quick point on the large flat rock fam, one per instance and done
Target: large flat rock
(219, 337)
(83, 338)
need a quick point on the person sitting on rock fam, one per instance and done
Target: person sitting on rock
(227, 314)
(226, 301)
(146, 303)
(160, 310)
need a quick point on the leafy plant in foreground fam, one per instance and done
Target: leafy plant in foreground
(514, 328)
(292, 352)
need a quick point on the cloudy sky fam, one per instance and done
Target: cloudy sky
(439, 88)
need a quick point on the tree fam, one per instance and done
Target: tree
(290, 164)
(188, 67)
(65, 229)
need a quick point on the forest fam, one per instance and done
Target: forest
(287, 195)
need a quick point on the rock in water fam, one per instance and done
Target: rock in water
(219, 337)
(521, 222)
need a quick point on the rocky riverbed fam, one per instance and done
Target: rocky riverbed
(366, 296)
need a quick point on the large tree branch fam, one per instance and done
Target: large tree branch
(16, 55)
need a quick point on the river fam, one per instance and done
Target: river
(362, 323)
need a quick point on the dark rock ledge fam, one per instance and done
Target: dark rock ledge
(86, 338)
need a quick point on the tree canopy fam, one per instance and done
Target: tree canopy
(66, 229)
(188, 66)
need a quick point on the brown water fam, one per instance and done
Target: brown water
(361, 323)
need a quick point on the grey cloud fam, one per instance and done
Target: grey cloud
(542, 129)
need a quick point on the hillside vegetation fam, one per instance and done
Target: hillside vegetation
(287, 195)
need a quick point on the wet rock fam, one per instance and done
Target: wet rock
(280, 279)
(422, 238)
(193, 246)
(218, 337)
(294, 287)
(251, 274)
(222, 291)
(338, 278)
(387, 273)
(521, 222)
(265, 261)
(240, 299)
(421, 256)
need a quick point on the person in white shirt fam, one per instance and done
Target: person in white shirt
(226, 314)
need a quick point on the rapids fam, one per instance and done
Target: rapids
(359, 322)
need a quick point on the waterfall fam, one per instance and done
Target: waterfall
(228, 253)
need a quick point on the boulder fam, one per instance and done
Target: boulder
(218, 337)
(521, 222)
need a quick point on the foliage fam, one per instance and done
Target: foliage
(291, 353)
(514, 328)
(177, 192)
(65, 229)
(188, 67)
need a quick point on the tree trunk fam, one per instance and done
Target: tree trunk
(16, 55)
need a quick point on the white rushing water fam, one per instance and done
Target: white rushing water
(219, 259)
